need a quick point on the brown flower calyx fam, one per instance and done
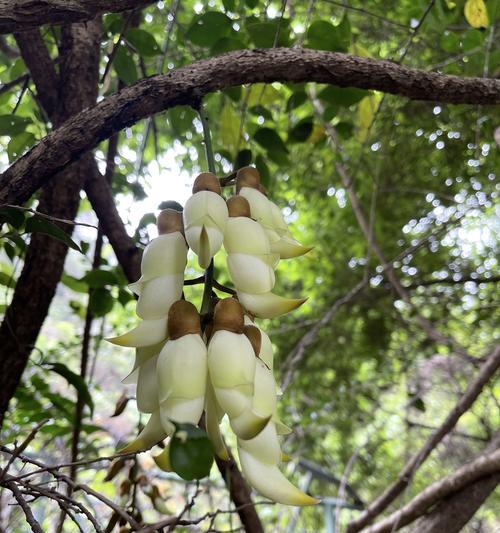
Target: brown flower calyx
(228, 316)
(183, 319)
(169, 221)
(247, 177)
(255, 337)
(207, 181)
(238, 206)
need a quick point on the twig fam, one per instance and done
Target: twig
(49, 217)
(20, 449)
(35, 526)
(381, 503)
(10, 84)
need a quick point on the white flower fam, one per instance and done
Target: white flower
(182, 378)
(205, 217)
(152, 434)
(259, 458)
(268, 305)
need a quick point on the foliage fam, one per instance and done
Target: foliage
(372, 382)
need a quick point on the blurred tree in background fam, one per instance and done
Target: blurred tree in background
(391, 172)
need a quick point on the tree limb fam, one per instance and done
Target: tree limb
(42, 70)
(60, 198)
(186, 85)
(22, 15)
(453, 512)
(100, 196)
(381, 503)
(483, 466)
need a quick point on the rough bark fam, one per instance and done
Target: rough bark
(453, 513)
(44, 262)
(186, 85)
(483, 466)
(381, 503)
(42, 70)
(22, 15)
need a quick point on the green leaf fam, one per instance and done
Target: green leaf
(13, 125)
(229, 5)
(191, 452)
(73, 379)
(230, 122)
(296, 100)
(270, 140)
(124, 65)
(181, 119)
(18, 144)
(6, 280)
(226, 44)
(143, 42)
(450, 42)
(345, 129)
(98, 278)
(243, 159)
(323, 35)
(124, 296)
(342, 96)
(74, 284)
(11, 215)
(261, 166)
(263, 34)
(301, 131)
(36, 224)
(101, 302)
(208, 28)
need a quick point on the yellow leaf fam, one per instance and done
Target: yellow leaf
(317, 134)
(262, 94)
(359, 50)
(230, 122)
(367, 109)
(476, 13)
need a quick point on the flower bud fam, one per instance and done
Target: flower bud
(268, 305)
(182, 368)
(205, 216)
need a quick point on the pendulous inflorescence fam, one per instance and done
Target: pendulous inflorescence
(197, 367)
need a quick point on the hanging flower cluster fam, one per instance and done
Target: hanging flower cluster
(189, 374)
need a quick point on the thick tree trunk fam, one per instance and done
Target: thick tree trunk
(44, 263)
(187, 85)
(22, 15)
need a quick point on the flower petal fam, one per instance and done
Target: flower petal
(147, 333)
(152, 434)
(271, 483)
(268, 305)
(158, 294)
(250, 273)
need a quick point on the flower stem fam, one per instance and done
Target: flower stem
(209, 272)
(207, 138)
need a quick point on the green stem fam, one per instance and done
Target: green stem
(209, 272)
(207, 138)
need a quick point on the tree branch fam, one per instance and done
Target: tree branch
(483, 466)
(41, 67)
(453, 512)
(101, 197)
(22, 15)
(464, 404)
(186, 85)
(34, 525)
(60, 198)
